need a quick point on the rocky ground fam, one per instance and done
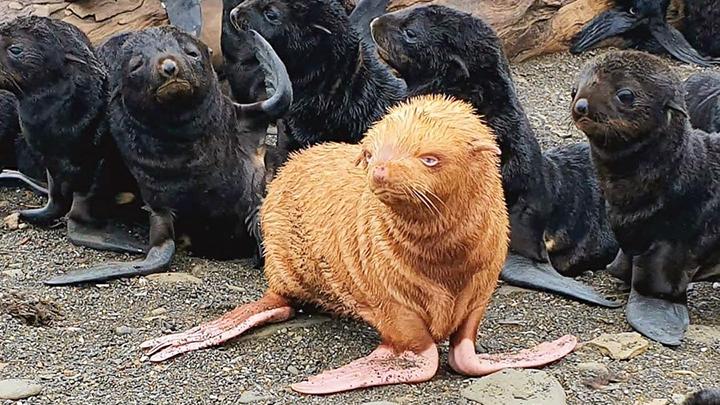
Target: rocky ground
(88, 353)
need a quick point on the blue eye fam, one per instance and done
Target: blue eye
(15, 50)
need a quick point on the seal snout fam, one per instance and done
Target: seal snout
(238, 18)
(168, 67)
(581, 107)
(380, 174)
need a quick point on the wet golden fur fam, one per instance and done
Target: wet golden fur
(414, 266)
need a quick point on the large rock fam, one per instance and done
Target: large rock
(516, 387)
(15, 389)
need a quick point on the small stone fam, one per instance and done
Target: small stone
(174, 278)
(716, 286)
(13, 273)
(703, 334)
(249, 397)
(516, 387)
(12, 221)
(652, 402)
(594, 368)
(620, 346)
(4, 204)
(124, 330)
(293, 370)
(678, 398)
(158, 311)
(14, 5)
(14, 389)
(3, 365)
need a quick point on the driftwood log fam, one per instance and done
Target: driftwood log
(527, 28)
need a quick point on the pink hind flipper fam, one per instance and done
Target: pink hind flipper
(462, 357)
(381, 367)
(270, 308)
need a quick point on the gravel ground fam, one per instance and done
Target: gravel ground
(91, 354)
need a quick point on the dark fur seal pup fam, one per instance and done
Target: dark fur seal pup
(702, 96)
(661, 180)
(704, 397)
(193, 151)
(339, 85)
(61, 87)
(418, 269)
(21, 167)
(644, 25)
(549, 195)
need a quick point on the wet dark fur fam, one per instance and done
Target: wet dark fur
(661, 178)
(702, 96)
(193, 155)
(61, 101)
(339, 86)
(543, 194)
(242, 70)
(701, 26)
(704, 397)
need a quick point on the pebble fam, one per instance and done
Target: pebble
(124, 330)
(620, 346)
(15, 389)
(12, 221)
(158, 311)
(716, 286)
(652, 402)
(678, 398)
(594, 368)
(174, 278)
(293, 370)
(13, 273)
(249, 397)
(516, 387)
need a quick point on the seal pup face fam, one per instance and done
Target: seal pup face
(623, 97)
(38, 52)
(165, 68)
(421, 154)
(291, 26)
(417, 43)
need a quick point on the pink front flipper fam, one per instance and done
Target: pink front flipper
(234, 323)
(381, 367)
(462, 357)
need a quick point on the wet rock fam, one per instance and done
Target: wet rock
(703, 334)
(248, 397)
(15, 389)
(620, 346)
(516, 387)
(174, 278)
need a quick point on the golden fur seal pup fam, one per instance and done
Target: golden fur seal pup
(407, 231)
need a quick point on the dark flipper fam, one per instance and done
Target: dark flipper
(658, 319)
(106, 237)
(523, 272)
(185, 14)
(13, 178)
(676, 45)
(158, 258)
(58, 204)
(608, 24)
(365, 11)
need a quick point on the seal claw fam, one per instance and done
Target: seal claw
(660, 320)
(523, 272)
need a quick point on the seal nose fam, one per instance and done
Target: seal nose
(380, 174)
(168, 68)
(582, 106)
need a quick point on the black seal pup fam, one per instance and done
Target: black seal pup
(702, 96)
(191, 149)
(555, 196)
(661, 181)
(61, 87)
(21, 167)
(643, 24)
(339, 85)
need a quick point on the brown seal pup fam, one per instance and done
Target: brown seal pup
(661, 180)
(391, 248)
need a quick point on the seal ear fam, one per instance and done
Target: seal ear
(462, 70)
(360, 160)
(482, 145)
(672, 105)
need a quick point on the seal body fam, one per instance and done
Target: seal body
(440, 50)
(701, 25)
(335, 75)
(660, 180)
(702, 96)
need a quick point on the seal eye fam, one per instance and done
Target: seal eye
(271, 15)
(410, 35)
(632, 11)
(429, 161)
(192, 53)
(625, 96)
(135, 64)
(15, 50)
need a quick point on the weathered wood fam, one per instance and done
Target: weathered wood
(527, 27)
